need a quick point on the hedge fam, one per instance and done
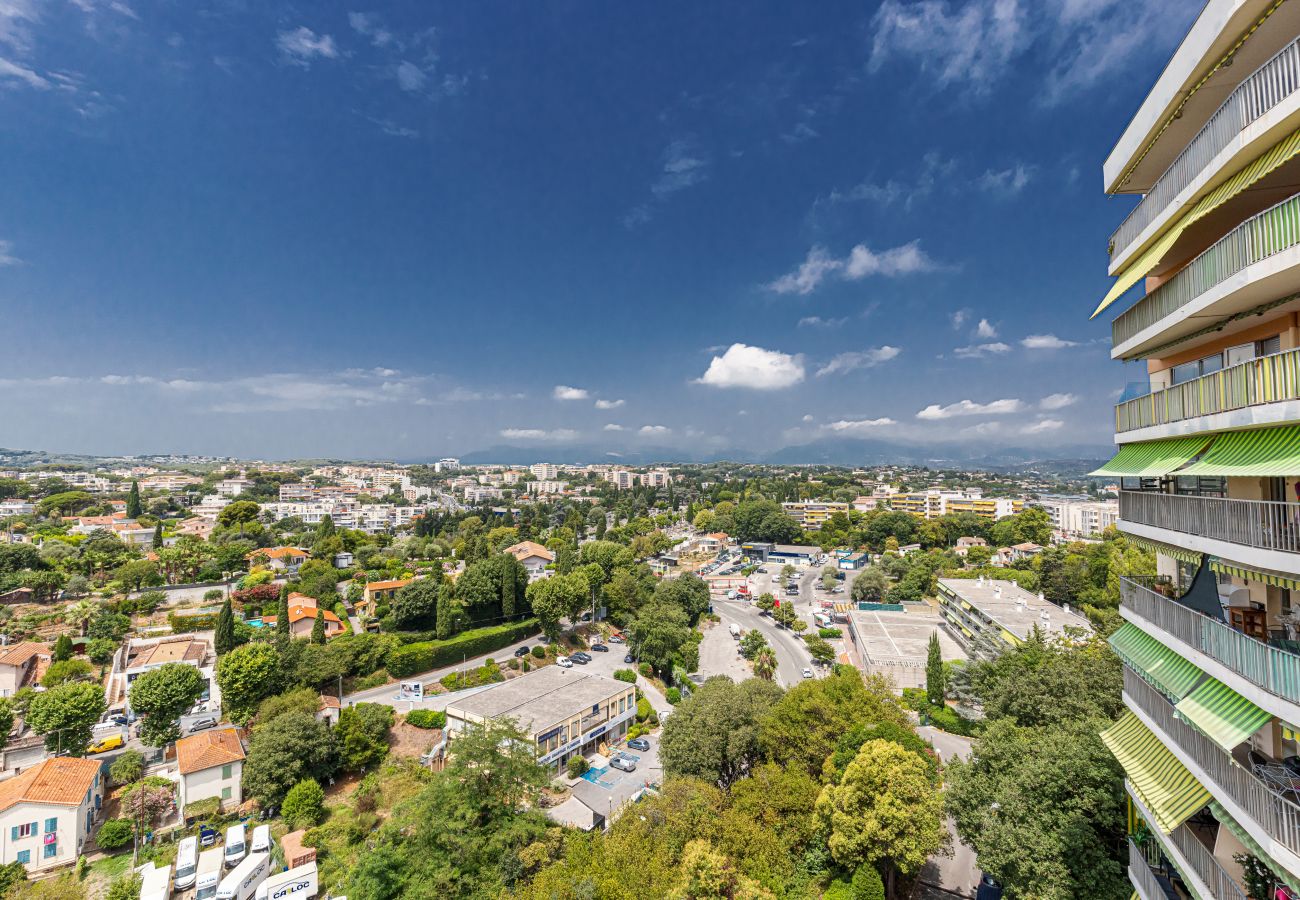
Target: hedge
(421, 657)
(427, 718)
(182, 623)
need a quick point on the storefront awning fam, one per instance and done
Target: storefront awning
(1161, 666)
(1181, 554)
(1273, 452)
(1221, 714)
(1166, 788)
(1153, 458)
(1262, 575)
(1280, 153)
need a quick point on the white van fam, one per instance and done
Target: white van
(261, 840)
(295, 884)
(209, 874)
(243, 882)
(187, 863)
(236, 847)
(155, 883)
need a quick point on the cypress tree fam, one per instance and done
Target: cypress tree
(318, 629)
(935, 689)
(158, 536)
(62, 649)
(282, 618)
(133, 507)
(223, 638)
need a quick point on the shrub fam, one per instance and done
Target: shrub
(578, 766)
(628, 675)
(420, 657)
(949, 720)
(304, 805)
(673, 695)
(213, 594)
(427, 718)
(182, 622)
(828, 633)
(114, 835)
(838, 890)
(127, 768)
(647, 670)
(524, 665)
(101, 651)
(203, 810)
(538, 651)
(643, 710)
(67, 670)
(867, 884)
(915, 699)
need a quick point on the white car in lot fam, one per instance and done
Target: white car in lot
(807, 673)
(564, 662)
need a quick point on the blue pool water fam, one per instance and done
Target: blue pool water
(593, 775)
(255, 623)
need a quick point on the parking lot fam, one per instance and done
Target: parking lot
(897, 643)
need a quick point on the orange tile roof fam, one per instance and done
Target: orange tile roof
(278, 552)
(298, 613)
(63, 780)
(525, 549)
(328, 702)
(385, 585)
(209, 749)
(21, 654)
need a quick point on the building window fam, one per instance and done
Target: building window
(25, 857)
(225, 772)
(25, 830)
(51, 850)
(225, 793)
(51, 824)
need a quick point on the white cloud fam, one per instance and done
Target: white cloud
(654, 430)
(959, 318)
(865, 359)
(683, 166)
(985, 330)
(808, 418)
(855, 425)
(1043, 425)
(9, 69)
(410, 77)
(564, 392)
(538, 434)
(1058, 401)
(612, 427)
(975, 351)
(1046, 342)
(1006, 182)
(970, 46)
(300, 46)
(368, 26)
(609, 404)
(743, 366)
(7, 257)
(934, 168)
(392, 129)
(819, 322)
(970, 408)
(861, 262)
(983, 428)
(16, 19)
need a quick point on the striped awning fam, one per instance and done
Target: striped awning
(1262, 451)
(1263, 575)
(1241, 834)
(1166, 788)
(1280, 153)
(1159, 665)
(1221, 714)
(1152, 458)
(1179, 553)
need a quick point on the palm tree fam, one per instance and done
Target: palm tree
(80, 614)
(765, 664)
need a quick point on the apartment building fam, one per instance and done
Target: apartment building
(1207, 296)
(544, 471)
(935, 502)
(813, 514)
(620, 478)
(1001, 612)
(1080, 517)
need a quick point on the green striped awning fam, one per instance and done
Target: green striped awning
(1221, 714)
(1152, 458)
(1158, 664)
(1241, 834)
(1274, 578)
(1178, 553)
(1261, 451)
(1166, 788)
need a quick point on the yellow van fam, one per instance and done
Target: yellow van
(112, 742)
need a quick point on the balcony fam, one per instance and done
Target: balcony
(1190, 848)
(1259, 524)
(1275, 670)
(1149, 884)
(1263, 235)
(1255, 805)
(1266, 88)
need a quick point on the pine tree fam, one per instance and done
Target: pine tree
(318, 629)
(935, 689)
(224, 637)
(158, 536)
(62, 649)
(326, 526)
(282, 618)
(133, 507)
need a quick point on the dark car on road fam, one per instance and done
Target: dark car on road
(522, 651)
(639, 744)
(627, 658)
(600, 648)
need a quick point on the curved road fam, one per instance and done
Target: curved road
(791, 657)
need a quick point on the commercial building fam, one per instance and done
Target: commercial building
(1002, 611)
(565, 711)
(812, 515)
(1208, 465)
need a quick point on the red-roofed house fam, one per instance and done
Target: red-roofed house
(534, 556)
(211, 764)
(18, 664)
(48, 811)
(302, 619)
(279, 558)
(377, 592)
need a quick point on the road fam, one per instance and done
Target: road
(957, 874)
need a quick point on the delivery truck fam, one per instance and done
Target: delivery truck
(209, 874)
(244, 879)
(155, 882)
(187, 863)
(295, 884)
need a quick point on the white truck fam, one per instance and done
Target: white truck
(209, 874)
(735, 631)
(155, 883)
(296, 884)
(187, 863)
(243, 881)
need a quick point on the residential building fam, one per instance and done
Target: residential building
(1003, 612)
(1208, 464)
(935, 502)
(565, 711)
(964, 544)
(22, 665)
(376, 592)
(1080, 517)
(210, 764)
(534, 557)
(141, 655)
(446, 464)
(620, 478)
(302, 619)
(232, 487)
(15, 507)
(48, 811)
(169, 481)
(544, 471)
(280, 559)
(813, 514)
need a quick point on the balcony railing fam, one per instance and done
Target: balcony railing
(1267, 379)
(1142, 875)
(1204, 866)
(1262, 524)
(1259, 237)
(1276, 816)
(1271, 668)
(1264, 89)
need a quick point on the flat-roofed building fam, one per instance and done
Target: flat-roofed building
(1002, 611)
(813, 514)
(564, 711)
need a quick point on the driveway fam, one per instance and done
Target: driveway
(957, 874)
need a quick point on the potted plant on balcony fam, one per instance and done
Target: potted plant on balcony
(1165, 586)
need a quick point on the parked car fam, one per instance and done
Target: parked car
(563, 662)
(616, 639)
(627, 658)
(104, 744)
(639, 744)
(624, 765)
(580, 660)
(201, 724)
(807, 673)
(522, 651)
(580, 654)
(600, 648)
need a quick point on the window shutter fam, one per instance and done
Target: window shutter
(13, 833)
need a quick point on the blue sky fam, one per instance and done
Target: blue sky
(403, 230)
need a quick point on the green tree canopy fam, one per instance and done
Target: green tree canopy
(713, 735)
(161, 696)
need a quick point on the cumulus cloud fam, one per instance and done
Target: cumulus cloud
(1043, 425)
(538, 434)
(564, 392)
(1058, 401)
(855, 425)
(7, 257)
(970, 408)
(613, 427)
(654, 430)
(609, 404)
(1046, 342)
(975, 351)
(743, 366)
(985, 330)
(302, 45)
(863, 359)
(861, 262)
